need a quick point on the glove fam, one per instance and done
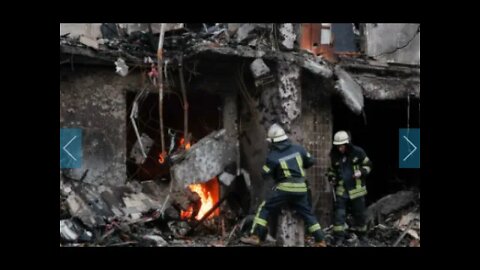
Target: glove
(357, 174)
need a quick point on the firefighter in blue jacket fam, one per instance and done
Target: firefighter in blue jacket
(350, 166)
(286, 162)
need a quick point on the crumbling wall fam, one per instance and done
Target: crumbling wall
(280, 101)
(93, 99)
(393, 42)
(289, 91)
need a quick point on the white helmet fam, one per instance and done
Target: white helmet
(276, 134)
(341, 137)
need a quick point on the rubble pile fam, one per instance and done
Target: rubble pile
(397, 223)
(393, 221)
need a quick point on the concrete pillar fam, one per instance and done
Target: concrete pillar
(290, 230)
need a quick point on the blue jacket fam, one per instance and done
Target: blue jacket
(287, 161)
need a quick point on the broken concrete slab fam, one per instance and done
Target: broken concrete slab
(259, 68)
(204, 160)
(349, 90)
(389, 204)
(89, 42)
(243, 32)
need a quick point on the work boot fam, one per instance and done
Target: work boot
(320, 244)
(251, 240)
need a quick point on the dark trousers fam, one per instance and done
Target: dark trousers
(298, 201)
(358, 212)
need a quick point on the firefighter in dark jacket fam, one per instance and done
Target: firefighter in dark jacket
(350, 166)
(286, 162)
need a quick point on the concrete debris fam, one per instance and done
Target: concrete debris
(205, 159)
(86, 204)
(377, 212)
(226, 178)
(159, 241)
(244, 31)
(96, 205)
(287, 36)
(136, 204)
(89, 42)
(121, 67)
(413, 234)
(259, 68)
(71, 230)
(405, 220)
(400, 226)
(179, 228)
(349, 90)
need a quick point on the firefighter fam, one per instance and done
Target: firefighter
(350, 166)
(286, 163)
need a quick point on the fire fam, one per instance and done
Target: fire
(186, 214)
(163, 155)
(208, 193)
(182, 143)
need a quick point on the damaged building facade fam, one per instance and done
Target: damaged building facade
(174, 120)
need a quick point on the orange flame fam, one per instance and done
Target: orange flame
(182, 143)
(208, 193)
(186, 214)
(161, 157)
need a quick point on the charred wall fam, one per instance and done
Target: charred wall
(93, 99)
